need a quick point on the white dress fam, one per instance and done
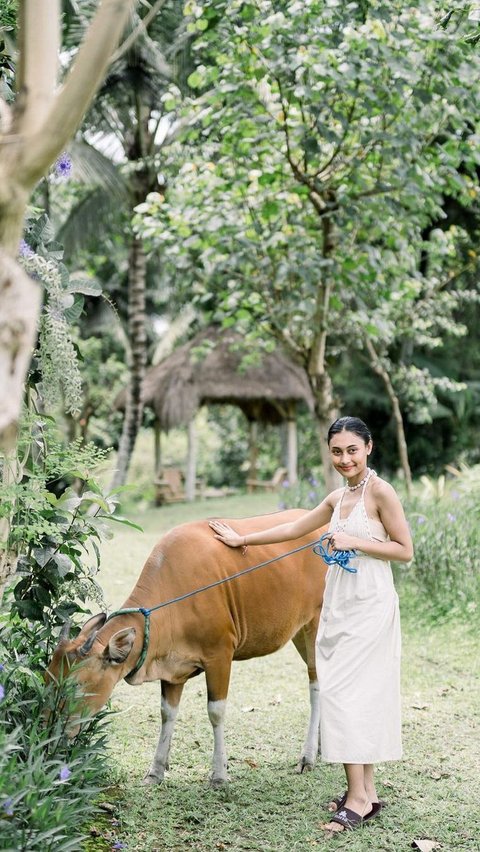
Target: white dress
(358, 652)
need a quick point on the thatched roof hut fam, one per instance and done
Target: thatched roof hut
(212, 368)
(208, 369)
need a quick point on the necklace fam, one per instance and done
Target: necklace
(367, 476)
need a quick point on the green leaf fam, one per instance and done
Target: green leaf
(89, 287)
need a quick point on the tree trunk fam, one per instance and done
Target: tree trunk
(292, 451)
(325, 405)
(20, 299)
(382, 372)
(191, 473)
(138, 339)
(326, 412)
(32, 135)
(252, 452)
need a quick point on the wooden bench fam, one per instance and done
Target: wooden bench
(268, 484)
(169, 486)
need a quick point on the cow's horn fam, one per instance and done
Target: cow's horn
(65, 631)
(87, 645)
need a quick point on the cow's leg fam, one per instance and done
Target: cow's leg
(171, 694)
(304, 642)
(217, 674)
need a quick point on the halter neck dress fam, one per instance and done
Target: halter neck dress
(358, 652)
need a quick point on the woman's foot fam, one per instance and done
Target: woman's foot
(336, 803)
(350, 815)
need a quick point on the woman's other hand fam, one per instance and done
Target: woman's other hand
(225, 534)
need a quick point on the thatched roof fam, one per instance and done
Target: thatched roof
(208, 369)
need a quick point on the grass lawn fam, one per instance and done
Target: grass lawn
(431, 793)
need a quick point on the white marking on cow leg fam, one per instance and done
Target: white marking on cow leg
(311, 745)
(160, 761)
(216, 714)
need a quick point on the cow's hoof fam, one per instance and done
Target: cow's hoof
(218, 783)
(303, 765)
(149, 780)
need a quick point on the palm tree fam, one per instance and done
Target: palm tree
(129, 124)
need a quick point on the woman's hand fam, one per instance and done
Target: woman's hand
(341, 541)
(225, 534)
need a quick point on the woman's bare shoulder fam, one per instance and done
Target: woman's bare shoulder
(382, 490)
(333, 498)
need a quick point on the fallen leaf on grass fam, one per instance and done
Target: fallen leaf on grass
(426, 845)
(248, 709)
(437, 776)
(420, 706)
(106, 806)
(251, 763)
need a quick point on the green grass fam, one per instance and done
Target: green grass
(431, 793)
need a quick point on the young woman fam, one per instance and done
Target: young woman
(358, 642)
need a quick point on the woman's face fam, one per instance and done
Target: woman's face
(349, 453)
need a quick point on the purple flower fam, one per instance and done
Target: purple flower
(7, 806)
(313, 481)
(119, 845)
(2, 692)
(64, 773)
(25, 250)
(421, 519)
(451, 517)
(2, 667)
(312, 495)
(285, 483)
(63, 166)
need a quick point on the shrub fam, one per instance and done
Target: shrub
(444, 577)
(56, 515)
(48, 782)
(304, 494)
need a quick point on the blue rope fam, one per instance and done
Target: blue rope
(339, 557)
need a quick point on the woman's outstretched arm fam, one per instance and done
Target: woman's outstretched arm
(280, 532)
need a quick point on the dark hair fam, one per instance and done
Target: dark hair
(350, 424)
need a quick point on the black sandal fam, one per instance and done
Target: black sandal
(339, 802)
(348, 819)
(376, 808)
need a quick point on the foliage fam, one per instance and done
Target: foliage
(48, 781)
(304, 494)
(57, 358)
(314, 205)
(58, 515)
(444, 519)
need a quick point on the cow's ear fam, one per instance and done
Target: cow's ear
(120, 645)
(91, 626)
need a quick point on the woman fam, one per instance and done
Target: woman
(358, 641)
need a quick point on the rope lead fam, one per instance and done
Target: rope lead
(340, 557)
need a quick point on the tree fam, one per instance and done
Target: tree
(35, 128)
(133, 107)
(331, 137)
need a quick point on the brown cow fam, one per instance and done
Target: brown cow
(249, 616)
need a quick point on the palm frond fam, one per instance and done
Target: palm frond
(93, 216)
(94, 167)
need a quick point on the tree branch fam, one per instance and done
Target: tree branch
(74, 98)
(39, 28)
(139, 29)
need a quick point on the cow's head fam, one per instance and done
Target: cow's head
(95, 666)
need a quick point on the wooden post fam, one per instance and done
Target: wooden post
(252, 452)
(158, 446)
(292, 451)
(191, 474)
